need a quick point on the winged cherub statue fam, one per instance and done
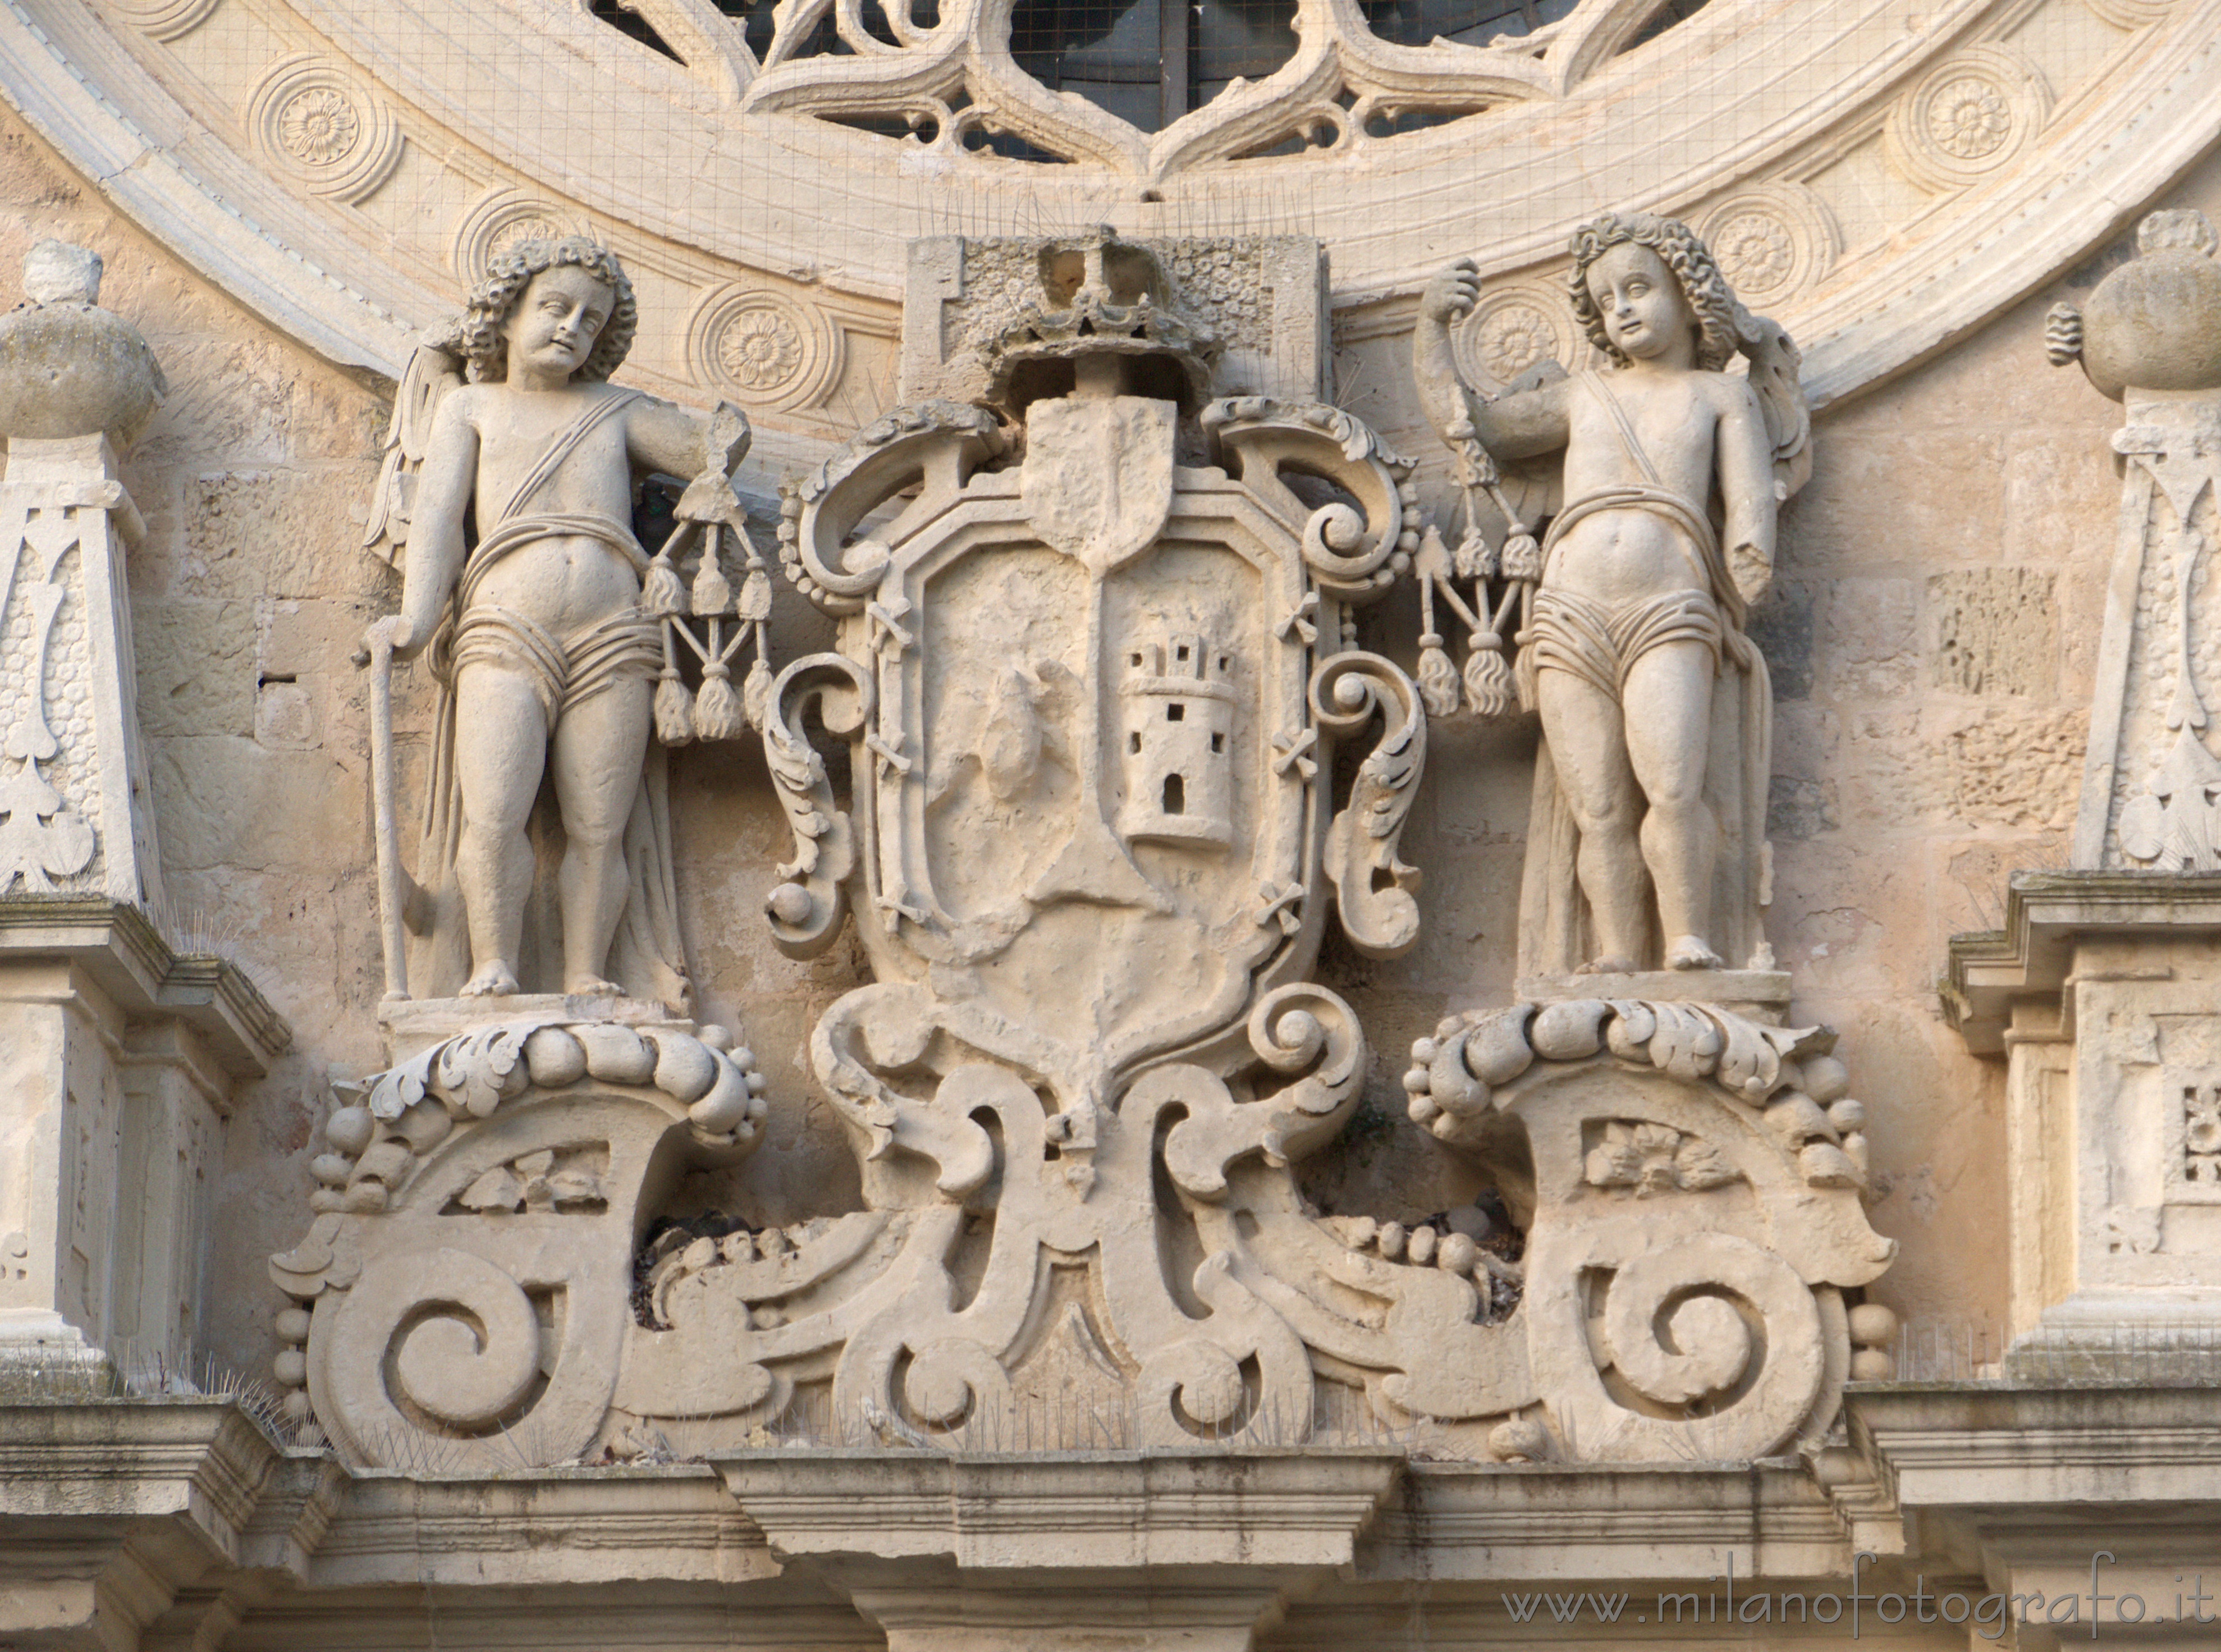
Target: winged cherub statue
(1647, 845)
(507, 492)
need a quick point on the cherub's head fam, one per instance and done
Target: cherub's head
(496, 302)
(1687, 260)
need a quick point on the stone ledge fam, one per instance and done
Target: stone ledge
(1549, 1522)
(1119, 1509)
(2028, 961)
(92, 1476)
(1985, 1451)
(120, 948)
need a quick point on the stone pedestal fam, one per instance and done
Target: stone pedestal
(2101, 993)
(121, 1054)
(122, 1058)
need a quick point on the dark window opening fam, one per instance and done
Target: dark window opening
(1672, 12)
(626, 20)
(1175, 795)
(1175, 712)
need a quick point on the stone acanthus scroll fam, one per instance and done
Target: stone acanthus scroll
(2150, 337)
(1114, 761)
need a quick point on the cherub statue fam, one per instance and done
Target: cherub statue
(523, 581)
(1656, 710)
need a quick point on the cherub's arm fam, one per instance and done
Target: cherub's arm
(435, 550)
(1746, 466)
(662, 437)
(1509, 427)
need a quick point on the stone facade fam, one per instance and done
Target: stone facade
(1085, 1147)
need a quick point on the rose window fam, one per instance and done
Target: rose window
(1150, 86)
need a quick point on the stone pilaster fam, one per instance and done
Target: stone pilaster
(121, 1055)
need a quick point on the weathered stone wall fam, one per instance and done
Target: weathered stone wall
(1931, 634)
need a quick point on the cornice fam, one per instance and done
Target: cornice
(2027, 962)
(121, 949)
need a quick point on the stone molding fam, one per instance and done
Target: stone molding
(118, 946)
(2025, 966)
(2007, 218)
(119, 1515)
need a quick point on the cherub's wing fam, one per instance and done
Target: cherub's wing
(432, 372)
(1536, 486)
(1775, 366)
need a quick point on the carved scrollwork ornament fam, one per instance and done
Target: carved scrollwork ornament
(1113, 766)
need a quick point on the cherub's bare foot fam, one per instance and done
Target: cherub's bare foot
(1690, 952)
(592, 986)
(494, 982)
(1612, 964)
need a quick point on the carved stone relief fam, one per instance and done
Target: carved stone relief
(166, 19)
(1114, 761)
(1967, 118)
(2151, 791)
(499, 221)
(1647, 846)
(763, 348)
(1772, 240)
(1515, 327)
(315, 119)
(70, 767)
(2198, 1171)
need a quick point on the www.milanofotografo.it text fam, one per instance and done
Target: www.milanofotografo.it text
(1859, 1610)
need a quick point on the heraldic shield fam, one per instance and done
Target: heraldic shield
(1094, 762)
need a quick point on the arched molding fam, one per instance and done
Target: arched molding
(1746, 119)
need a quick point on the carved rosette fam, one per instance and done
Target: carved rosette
(1772, 240)
(499, 219)
(1516, 327)
(1967, 118)
(315, 120)
(765, 348)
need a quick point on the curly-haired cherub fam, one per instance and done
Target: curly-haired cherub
(535, 625)
(1656, 707)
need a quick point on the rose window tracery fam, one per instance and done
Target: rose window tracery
(1148, 86)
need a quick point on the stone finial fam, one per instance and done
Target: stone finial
(57, 272)
(2155, 323)
(67, 367)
